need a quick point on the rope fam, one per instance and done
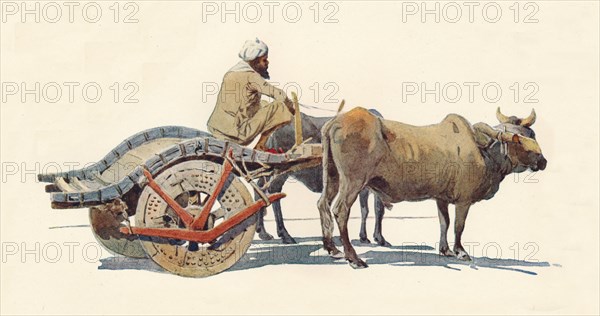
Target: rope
(316, 108)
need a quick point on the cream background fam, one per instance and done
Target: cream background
(170, 52)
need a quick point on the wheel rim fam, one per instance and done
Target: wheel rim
(190, 183)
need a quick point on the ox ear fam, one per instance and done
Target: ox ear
(515, 139)
(528, 121)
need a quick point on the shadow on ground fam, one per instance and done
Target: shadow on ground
(309, 251)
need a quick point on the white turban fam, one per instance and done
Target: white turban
(253, 49)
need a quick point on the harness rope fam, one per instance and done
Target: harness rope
(316, 108)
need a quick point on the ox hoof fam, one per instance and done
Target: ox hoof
(382, 242)
(288, 240)
(463, 256)
(365, 240)
(358, 264)
(265, 236)
(336, 254)
(447, 253)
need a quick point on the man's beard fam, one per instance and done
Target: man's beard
(264, 73)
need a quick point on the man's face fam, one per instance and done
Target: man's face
(261, 65)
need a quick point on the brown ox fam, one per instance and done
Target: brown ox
(450, 162)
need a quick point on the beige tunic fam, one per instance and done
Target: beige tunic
(239, 114)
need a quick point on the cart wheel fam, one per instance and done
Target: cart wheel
(191, 183)
(105, 221)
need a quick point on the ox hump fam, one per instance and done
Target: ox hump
(358, 120)
(459, 133)
(359, 124)
(459, 123)
(357, 113)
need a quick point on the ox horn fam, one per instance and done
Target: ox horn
(529, 144)
(528, 121)
(506, 137)
(501, 117)
(341, 107)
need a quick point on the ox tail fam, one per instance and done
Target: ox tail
(330, 186)
(327, 137)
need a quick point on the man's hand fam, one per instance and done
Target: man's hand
(290, 105)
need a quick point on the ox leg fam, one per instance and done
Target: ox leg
(260, 224)
(363, 197)
(444, 224)
(330, 190)
(282, 232)
(459, 226)
(276, 187)
(379, 211)
(341, 211)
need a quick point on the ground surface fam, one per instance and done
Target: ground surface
(535, 271)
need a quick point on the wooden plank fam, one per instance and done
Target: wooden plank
(297, 119)
(120, 169)
(79, 185)
(145, 151)
(133, 158)
(63, 185)
(95, 177)
(91, 184)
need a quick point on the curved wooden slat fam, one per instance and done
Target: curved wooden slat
(124, 147)
(196, 148)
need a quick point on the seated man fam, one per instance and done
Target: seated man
(239, 114)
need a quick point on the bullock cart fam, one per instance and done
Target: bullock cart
(189, 194)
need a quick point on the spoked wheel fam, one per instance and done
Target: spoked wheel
(191, 184)
(105, 221)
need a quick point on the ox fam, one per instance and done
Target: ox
(395, 160)
(312, 178)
